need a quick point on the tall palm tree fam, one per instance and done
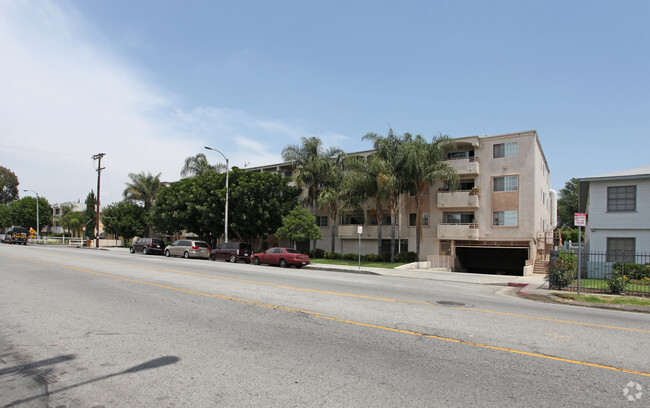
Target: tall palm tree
(331, 196)
(197, 165)
(143, 188)
(424, 165)
(310, 166)
(389, 152)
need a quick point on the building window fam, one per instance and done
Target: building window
(288, 173)
(372, 218)
(412, 219)
(507, 183)
(621, 249)
(425, 219)
(458, 218)
(352, 219)
(504, 218)
(621, 198)
(321, 221)
(505, 150)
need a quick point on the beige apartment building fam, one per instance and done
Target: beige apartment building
(500, 219)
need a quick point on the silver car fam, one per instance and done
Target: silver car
(188, 248)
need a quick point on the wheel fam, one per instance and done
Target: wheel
(132, 250)
(145, 251)
(283, 263)
(233, 258)
(167, 253)
(186, 255)
(256, 261)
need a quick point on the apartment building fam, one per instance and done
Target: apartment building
(499, 219)
(618, 211)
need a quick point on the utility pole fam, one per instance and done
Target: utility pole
(99, 176)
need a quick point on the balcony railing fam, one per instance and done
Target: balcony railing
(465, 165)
(457, 199)
(458, 231)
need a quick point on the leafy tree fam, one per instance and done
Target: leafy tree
(143, 189)
(331, 196)
(257, 203)
(8, 186)
(298, 225)
(424, 165)
(310, 166)
(124, 218)
(198, 165)
(568, 203)
(73, 221)
(90, 215)
(23, 212)
(390, 150)
(5, 217)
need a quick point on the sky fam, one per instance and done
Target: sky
(151, 82)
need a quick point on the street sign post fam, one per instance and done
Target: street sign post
(360, 230)
(579, 220)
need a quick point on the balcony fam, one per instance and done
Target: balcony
(465, 165)
(457, 199)
(458, 231)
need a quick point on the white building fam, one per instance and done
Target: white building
(618, 210)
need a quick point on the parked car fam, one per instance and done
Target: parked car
(148, 246)
(281, 256)
(188, 248)
(233, 252)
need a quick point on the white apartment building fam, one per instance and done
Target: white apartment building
(499, 220)
(618, 211)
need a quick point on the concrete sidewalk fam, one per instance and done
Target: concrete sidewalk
(529, 284)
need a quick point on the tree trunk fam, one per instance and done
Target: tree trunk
(379, 216)
(333, 246)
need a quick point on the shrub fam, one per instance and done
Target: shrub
(632, 270)
(384, 257)
(563, 271)
(406, 257)
(371, 258)
(319, 253)
(331, 255)
(616, 282)
(350, 257)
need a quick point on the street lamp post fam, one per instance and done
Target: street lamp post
(38, 229)
(225, 228)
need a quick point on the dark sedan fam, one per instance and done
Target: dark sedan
(281, 256)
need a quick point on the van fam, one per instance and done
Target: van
(233, 252)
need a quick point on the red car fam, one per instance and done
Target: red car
(281, 256)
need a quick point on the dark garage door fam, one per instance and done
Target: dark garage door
(503, 261)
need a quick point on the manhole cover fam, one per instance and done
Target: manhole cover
(449, 303)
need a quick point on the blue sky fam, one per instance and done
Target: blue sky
(150, 83)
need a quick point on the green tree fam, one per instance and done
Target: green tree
(73, 221)
(298, 225)
(198, 165)
(5, 217)
(390, 151)
(23, 212)
(256, 205)
(143, 189)
(8, 186)
(124, 218)
(331, 196)
(424, 165)
(90, 215)
(568, 203)
(310, 165)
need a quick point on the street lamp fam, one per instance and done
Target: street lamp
(38, 229)
(225, 228)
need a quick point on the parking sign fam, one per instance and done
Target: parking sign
(580, 219)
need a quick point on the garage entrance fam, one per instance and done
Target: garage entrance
(493, 261)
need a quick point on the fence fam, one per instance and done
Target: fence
(617, 272)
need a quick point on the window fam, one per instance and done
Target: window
(621, 249)
(412, 219)
(372, 218)
(458, 218)
(352, 219)
(507, 183)
(465, 185)
(425, 219)
(288, 173)
(321, 221)
(621, 198)
(504, 218)
(505, 150)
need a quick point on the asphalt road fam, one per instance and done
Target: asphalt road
(92, 328)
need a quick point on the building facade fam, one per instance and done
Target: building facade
(618, 211)
(498, 220)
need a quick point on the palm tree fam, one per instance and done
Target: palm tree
(424, 165)
(310, 166)
(143, 188)
(197, 165)
(331, 196)
(389, 153)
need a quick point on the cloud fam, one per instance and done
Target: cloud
(67, 96)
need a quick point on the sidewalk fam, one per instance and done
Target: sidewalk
(529, 284)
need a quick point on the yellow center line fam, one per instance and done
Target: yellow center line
(366, 296)
(352, 322)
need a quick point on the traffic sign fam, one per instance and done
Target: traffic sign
(580, 219)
